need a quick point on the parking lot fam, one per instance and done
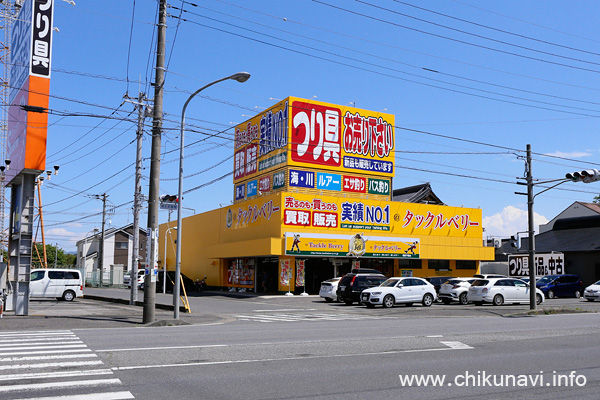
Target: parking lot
(219, 307)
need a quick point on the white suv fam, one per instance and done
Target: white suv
(456, 289)
(501, 290)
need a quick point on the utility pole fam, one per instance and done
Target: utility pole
(530, 196)
(137, 196)
(101, 247)
(152, 232)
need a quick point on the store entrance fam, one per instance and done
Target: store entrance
(318, 270)
(267, 275)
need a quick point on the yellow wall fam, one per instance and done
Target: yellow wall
(256, 228)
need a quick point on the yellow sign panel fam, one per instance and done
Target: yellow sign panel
(314, 135)
(352, 245)
(304, 211)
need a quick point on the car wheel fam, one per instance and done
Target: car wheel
(348, 302)
(478, 303)
(370, 305)
(340, 300)
(498, 300)
(446, 301)
(68, 295)
(463, 299)
(388, 301)
(327, 299)
(538, 299)
(577, 294)
(427, 300)
(551, 294)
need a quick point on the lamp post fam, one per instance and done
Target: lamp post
(240, 77)
(165, 261)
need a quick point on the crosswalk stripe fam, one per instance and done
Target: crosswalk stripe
(54, 357)
(50, 365)
(66, 346)
(16, 353)
(41, 375)
(29, 345)
(38, 333)
(91, 396)
(49, 361)
(62, 385)
(40, 339)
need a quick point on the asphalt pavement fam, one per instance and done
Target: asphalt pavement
(110, 308)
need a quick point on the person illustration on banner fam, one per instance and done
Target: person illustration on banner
(412, 248)
(295, 243)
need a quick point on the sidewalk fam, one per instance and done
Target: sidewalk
(110, 308)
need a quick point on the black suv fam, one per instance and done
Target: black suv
(351, 285)
(437, 281)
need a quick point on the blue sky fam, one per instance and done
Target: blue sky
(470, 83)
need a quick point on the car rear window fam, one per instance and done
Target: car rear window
(454, 281)
(480, 282)
(346, 280)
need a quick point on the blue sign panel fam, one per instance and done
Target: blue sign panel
(252, 188)
(304, 179)
(240, 191)
(329, 181)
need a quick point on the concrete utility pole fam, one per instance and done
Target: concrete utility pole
(532, 280)
(152, 232)
(137, 196)
(101, 247)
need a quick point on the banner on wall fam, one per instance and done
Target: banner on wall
(358, 245)
(300, 273)
(285, 274)
(372, 216)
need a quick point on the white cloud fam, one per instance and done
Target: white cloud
(61, 232)
(510, 221)
(573, 154)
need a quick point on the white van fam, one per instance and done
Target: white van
(63, 284)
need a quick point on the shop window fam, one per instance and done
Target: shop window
(439, 265)
(409, 263)
(463, 264)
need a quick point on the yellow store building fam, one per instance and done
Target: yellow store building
(313, 199)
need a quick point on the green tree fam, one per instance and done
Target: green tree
(53, 254)
(596, 199)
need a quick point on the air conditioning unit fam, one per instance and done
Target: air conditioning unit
(497, 243)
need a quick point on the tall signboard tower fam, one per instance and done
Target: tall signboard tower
(31, 46)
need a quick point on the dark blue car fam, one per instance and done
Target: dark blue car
(560, 286)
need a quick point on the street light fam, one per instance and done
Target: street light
(240, 77)
(165, 261)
